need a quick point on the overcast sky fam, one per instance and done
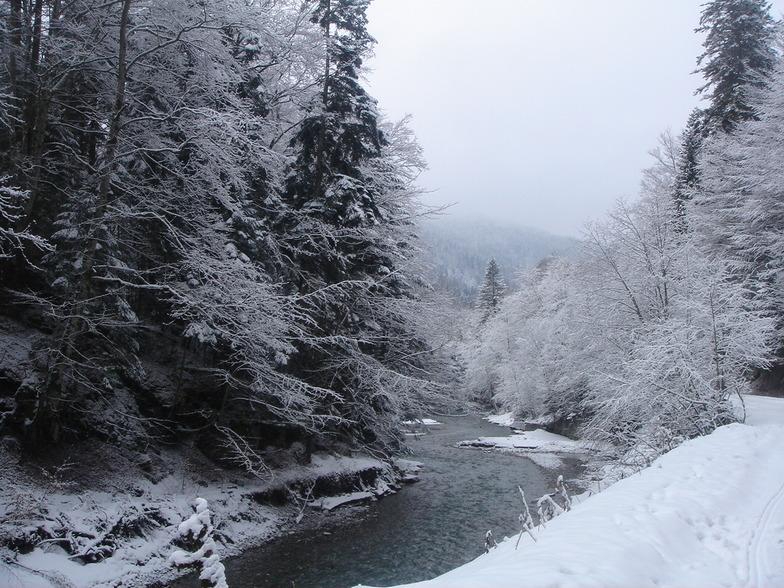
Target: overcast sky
(540, 112)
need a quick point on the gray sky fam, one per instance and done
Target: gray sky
(539, 112)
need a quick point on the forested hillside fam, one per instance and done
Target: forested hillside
(655, 331)
(460, 248)
(205, 230)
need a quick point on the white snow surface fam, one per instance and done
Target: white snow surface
(332, 502)
(505, 420)
(425, 422)
(538, 440)
(709, 513)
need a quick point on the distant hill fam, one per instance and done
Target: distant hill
(460, 249)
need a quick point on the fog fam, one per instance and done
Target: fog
(538, 113)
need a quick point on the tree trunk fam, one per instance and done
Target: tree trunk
(320, 163)
(51, 395)
(40, 97)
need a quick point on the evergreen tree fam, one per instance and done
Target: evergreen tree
(738, 57)
(347, 241)
(741, 206)
(492, 289)
(687, 173)
(328, 180)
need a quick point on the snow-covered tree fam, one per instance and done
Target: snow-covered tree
(686, 331)
(217, 178)
(347, 241)
(342, 133)
(202, 552)
(13, 240)
(161, 185)
(644, 340)
(738, 57)
(491, 290)
(529, 356)
(687, 173)
(741, 203)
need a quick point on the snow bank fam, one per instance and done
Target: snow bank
(529, 441)
(708, 513)
(423, 422)
(332, 502)
(504, 420)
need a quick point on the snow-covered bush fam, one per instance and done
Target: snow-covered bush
(560, 487)
(202, 552)
(490, 542)
(547, 508)
(525, 518)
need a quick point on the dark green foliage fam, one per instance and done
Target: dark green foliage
(738, 57)
(493, 287)
(342, 133)
(687, 176)
(738, 60)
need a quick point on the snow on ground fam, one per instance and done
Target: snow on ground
(423, 422)
(538, 440)
(538, 445)
(332, 502)
(710, 513)
(505, 420)
(145, 515)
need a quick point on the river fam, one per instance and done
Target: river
(426, 529)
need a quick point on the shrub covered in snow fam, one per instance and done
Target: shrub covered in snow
(203, 553)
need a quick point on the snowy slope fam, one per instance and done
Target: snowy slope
(709, 513)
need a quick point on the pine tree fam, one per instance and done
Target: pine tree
(328, 181)
(493, 287)
(738, 57)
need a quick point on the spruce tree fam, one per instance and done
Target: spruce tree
(493, 287)
(345, 244)
(687, 173)
(333, 143)
(738, 56)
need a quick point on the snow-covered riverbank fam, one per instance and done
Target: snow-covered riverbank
(117, 530)
(708, 513)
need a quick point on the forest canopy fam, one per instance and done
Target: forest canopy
(206, 228)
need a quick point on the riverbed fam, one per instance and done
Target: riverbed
(426, 529)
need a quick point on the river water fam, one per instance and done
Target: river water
(424, 530)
